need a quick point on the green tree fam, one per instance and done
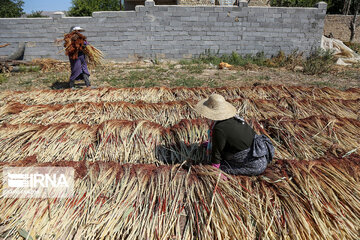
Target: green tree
(87, 7)
(11, 8)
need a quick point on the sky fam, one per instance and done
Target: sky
(46, 5)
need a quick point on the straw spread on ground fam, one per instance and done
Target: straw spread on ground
(138, 141)
(291, 200)
(310, 191)
(169, 113)
(162, 94)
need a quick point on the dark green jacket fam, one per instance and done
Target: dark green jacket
(229, 137)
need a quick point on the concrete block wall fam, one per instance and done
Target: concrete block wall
(173, 32)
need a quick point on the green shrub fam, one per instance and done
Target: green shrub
(187, 82)
(195, 68)
(289, 62)
(23, 68)
(234, 58)
(3, 79)
(318, 62)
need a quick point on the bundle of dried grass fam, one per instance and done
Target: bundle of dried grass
(13, 139)
(74, 42)
(152, 95)
(314, 137)
(260, 108)
(128, 142)
(17, 113)
(94, 56)
(291, 200)
(63, 141)
(339, 108)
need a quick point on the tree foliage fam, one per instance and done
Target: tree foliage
(334, 6)
(11, 8)
(87, 7)
(36, 14)
(293, 3)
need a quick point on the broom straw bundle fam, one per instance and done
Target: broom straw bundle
(94, 56)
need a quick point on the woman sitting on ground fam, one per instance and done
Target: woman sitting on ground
(233, 145)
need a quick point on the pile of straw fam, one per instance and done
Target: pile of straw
(49, 64)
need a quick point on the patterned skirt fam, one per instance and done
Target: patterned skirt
(251, 161)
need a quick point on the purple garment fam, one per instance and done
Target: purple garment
(78, 66)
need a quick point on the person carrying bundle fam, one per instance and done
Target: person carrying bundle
(75, 43)
(233, 145)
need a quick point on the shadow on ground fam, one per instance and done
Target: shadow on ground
(64, 85)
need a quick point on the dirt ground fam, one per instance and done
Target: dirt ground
(172, 74)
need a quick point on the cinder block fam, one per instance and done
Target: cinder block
(243, 4)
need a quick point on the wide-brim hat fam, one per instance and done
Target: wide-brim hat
(77, 28)
(216, 108)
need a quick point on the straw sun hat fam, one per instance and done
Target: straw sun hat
(215, 108)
